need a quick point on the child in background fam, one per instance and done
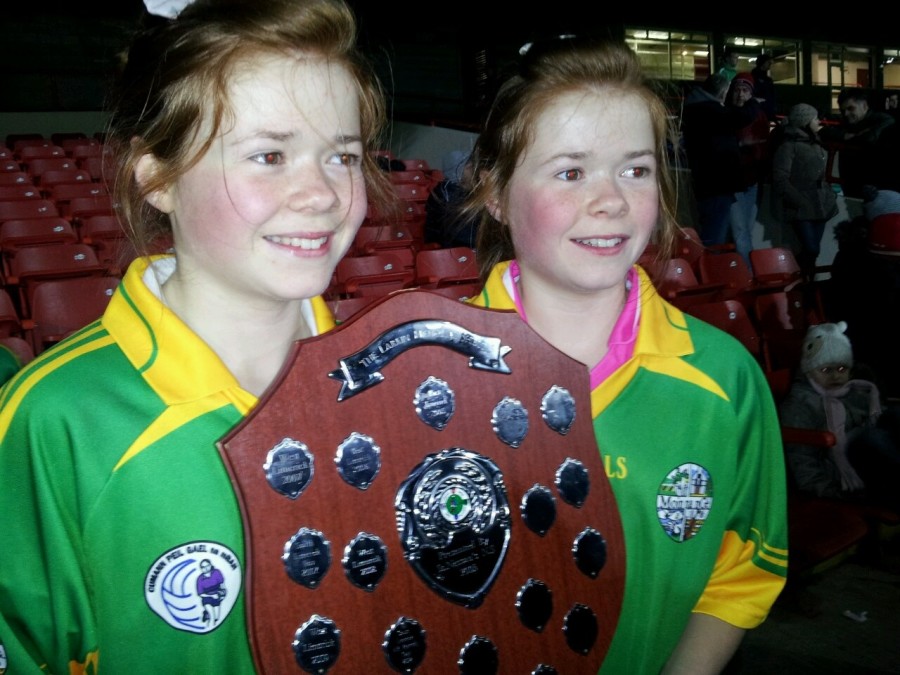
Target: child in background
(864, 463)
(241, 130)
(572, 181)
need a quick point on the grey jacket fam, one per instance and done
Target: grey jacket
(812, 469)
(798, 179)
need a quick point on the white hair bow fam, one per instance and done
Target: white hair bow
(167, 8)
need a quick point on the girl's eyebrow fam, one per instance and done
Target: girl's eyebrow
(282, 136)
(580, 155)
(264, 134)
(639, 153)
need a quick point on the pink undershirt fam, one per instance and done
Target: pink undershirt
(624, 334)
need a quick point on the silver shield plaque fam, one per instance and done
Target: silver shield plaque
(558, 409)
(510, 421)
(404, 645)
(317, 644)
(435, 402)
(307, 557)
(365, 561)
(358, 460)
(289, 467)
(453, 518)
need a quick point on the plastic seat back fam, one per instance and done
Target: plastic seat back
(775, 266)
(730, 316)
(15, 234)
(446, 266)
(62, 306)
(27, 208)
(31, 265)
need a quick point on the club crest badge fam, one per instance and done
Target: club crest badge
(684, 500)
(194, 587)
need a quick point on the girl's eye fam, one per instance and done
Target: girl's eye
(637, 172)
(570, 174)
(347, 159)
(268, 158)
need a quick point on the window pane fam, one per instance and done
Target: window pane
(670, 55)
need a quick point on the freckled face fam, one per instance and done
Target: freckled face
(275, 203)
(584, 200)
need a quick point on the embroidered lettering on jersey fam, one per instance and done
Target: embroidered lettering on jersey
(684, 500)
(194, 587)
(2, 659)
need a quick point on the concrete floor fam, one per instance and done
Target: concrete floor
(807, 631)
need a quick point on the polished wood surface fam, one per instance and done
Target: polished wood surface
(303, 405)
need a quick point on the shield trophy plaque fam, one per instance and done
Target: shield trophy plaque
(422, 492)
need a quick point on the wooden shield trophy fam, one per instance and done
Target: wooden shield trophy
(421, 491)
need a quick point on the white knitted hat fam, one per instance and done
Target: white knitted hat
(825, 345)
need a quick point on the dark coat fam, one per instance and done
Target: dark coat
(710, 133)
(798, 179)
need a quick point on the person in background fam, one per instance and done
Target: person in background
(753, 144)
(710, 134)
(243, 130)
(730, 62)
(892, 104)
(764, 85)
(443, 224)
(571, 181)
(826, 395)
(859, 136)
(803, 198)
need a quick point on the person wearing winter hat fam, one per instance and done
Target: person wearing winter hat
(803, 198)
(864, 462)
(801, 115)
(753, 144)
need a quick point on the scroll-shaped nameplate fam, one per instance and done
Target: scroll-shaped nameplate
(361, 370)
(453, 517)
(289, 467)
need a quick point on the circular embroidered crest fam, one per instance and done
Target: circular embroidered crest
(194, 587)
(684, 500)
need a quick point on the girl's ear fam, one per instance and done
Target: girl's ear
(147, 167)
(494, 206)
